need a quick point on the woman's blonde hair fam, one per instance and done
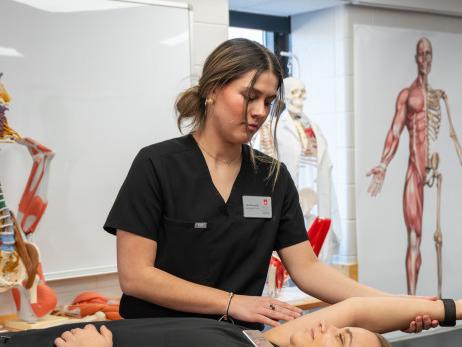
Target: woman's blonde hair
(383, 341)
(228, 62)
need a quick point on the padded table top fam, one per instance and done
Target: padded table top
(450, 338)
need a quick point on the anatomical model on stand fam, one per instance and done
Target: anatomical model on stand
(303, 149)
(20, 267)
(418, 109)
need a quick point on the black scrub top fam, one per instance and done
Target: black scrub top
(169, 197)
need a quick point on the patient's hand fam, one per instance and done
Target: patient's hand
(420, 323)
(86, 337)
(423, 322)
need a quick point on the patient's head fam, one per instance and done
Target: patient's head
(335, 337)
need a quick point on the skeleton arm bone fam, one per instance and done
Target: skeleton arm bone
(391, 144)
(452, 131)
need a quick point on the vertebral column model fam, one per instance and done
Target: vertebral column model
(418, 109)
(22, 270)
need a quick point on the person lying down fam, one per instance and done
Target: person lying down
(355, 322)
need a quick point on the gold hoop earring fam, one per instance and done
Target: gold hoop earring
(208, 101)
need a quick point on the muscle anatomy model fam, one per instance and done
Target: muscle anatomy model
(418, 109)
(20, 268)
(303, 149)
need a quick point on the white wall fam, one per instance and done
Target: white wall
(210, 28)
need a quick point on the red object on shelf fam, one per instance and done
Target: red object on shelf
(281, 272)
(317, 233)
(88, 303)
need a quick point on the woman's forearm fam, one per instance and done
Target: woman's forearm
(331, 286)
(159, 287)
(394, 313)
(318, 279)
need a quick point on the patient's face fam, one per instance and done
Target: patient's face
(334, 337)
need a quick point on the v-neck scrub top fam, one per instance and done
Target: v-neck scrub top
(169, 197)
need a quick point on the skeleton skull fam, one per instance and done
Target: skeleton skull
(294, 95)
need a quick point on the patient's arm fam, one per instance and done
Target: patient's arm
(86, 337)
(378, 314)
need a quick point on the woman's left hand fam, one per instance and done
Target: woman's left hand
(421, 322)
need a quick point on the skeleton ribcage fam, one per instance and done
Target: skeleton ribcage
(433, 113)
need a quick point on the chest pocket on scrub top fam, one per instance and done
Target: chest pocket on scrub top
(183, 249)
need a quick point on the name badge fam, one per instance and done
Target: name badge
(257, 338)
(257, 206)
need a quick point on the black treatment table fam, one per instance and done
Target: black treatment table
(447, 338)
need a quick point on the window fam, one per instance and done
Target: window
(272, 32)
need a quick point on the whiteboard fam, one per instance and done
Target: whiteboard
(94, 81)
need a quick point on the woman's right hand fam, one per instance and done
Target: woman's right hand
(262, 309)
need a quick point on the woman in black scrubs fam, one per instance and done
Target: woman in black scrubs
(198, 216)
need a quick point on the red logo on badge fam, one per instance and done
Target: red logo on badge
(265, 202)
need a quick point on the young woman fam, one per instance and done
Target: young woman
(354, 322)
(198, 216)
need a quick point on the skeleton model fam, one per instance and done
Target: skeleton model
(303, 149)
(20, 268)
(418, 109)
